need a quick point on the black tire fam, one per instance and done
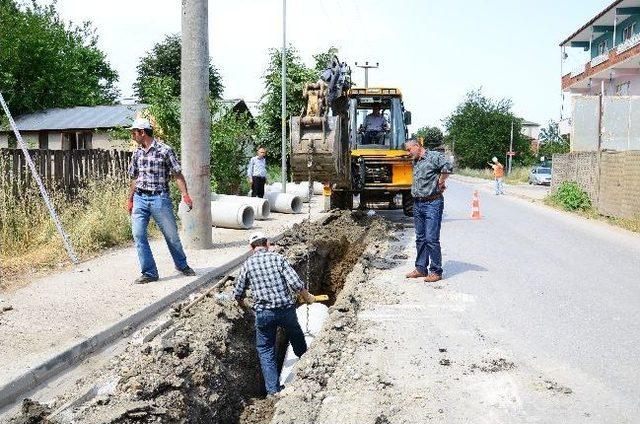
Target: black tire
(407, 204)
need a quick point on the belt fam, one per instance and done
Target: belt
(427, 198)
(149, 192)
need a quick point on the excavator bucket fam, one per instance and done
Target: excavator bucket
(316, 148)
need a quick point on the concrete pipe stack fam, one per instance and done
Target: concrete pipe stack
(284, 202)
(298, 190)
(261, 207)
(317, 187)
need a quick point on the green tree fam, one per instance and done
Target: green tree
(323, 59)
(270, 105)
(432, 135)
(481, 128)
(230, 133)
(163, 61)
(551, 141)
(45, 63)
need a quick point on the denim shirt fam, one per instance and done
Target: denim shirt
(426, 173)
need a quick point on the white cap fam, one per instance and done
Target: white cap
(494, 159)
(140, 124)
(258, 235)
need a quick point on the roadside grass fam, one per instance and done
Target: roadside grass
(94, 219)
(519, 175)
(631, 224)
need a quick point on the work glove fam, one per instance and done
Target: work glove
(187, 200)
(130, 206)
(308, 297)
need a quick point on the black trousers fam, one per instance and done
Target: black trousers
(257, 186)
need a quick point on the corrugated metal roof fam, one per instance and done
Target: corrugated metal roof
(80, 117)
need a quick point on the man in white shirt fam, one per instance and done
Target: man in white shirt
(257, 173)
(374, 125)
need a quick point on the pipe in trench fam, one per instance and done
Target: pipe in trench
(231, 215)
(318, 313)
(284, 202)
(261, 207)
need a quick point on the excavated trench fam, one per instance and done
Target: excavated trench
(205, 369)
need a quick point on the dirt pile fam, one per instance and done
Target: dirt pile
(204, 368)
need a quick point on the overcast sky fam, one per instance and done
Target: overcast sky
(434, 51)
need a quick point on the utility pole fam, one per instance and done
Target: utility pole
(511, 149)
(195, 121)
(366, 68)
(283, 178)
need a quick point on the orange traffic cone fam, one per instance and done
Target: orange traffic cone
(475, 206)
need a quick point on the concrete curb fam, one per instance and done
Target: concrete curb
(13, 390)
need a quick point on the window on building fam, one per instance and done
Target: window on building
(43, 140)
(12, 141)
(77, 140)
(629, 31)
(69, 141)
(85, 140)
(602, 47)
(623, 89)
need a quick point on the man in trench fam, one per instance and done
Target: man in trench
(273, 283)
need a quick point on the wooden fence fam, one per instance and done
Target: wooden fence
(61, 169)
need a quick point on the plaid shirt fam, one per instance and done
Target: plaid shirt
(271, 280)
(152, 168)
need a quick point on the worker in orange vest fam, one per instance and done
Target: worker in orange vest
(498, 174)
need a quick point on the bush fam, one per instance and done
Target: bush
(571, 197)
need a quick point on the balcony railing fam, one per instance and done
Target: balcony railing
(631, 42)
(599, 59)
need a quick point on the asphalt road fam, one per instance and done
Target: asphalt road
(555, 294)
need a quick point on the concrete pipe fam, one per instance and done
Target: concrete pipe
(318, 314)
(299, 191)
(284, 202)
(231, 215)
(317, 187)
(261, 207)
(272, 189)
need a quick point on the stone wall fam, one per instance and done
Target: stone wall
(612, 179)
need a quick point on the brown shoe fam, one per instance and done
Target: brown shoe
(432, 278)
(415, 274)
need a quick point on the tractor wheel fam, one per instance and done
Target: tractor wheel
(341, 200)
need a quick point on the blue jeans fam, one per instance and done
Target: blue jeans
(499, 186)
(267, 323)
(158, 207)
(427, 218)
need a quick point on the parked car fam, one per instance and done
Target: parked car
(540, 175)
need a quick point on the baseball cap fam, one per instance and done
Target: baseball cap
(258, 235)
(140, 124)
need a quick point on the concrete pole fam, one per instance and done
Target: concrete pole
(195, 122)
(283, 173)
(511, 149)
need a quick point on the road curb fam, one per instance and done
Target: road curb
(10, 392)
